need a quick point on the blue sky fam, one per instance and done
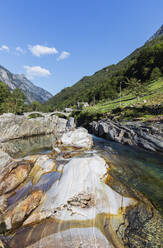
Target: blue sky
(57, 42)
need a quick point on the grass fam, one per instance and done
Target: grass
(128, 107)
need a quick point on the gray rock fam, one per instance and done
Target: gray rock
(103, 128)
(135, 134)
(158, 33)
(70, 124)
(78, 138)
(14, 126)
(4, 160)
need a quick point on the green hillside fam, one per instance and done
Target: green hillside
(144, 65)
(147, 107)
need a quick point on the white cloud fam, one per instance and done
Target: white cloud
(63, 55)
(38, 50)
(4, 48)
(36, 71)
(20, 50)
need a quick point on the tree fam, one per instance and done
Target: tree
(35, 106)
(4, 94)
(136, 87)
(155, 74)
(15, 103)
(19, 101)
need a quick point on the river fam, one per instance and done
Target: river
(133, 173)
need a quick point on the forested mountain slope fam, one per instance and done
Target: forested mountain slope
(144, 64)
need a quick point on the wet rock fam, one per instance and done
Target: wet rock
(32, 158)
(60, 167)
(56, 150)
(74, 238)
(81, 193)
(70, 148)
(43, 164)
(14, 178)
(78, 138)
(68, 155)
(141, 227)
(16, 216)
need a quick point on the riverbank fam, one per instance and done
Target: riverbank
(77, 191)
(147, 135)
(18, 126)
(144, 135)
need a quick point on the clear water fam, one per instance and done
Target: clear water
(136, 168)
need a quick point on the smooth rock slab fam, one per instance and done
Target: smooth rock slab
(74, 238)
(81, 193)
(79, 138)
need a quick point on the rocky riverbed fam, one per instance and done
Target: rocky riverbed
(69, 189)
(145, 135)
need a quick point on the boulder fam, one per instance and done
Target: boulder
(78, 138)
(15, 126)
(135, 134)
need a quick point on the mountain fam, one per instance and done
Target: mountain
(157, 34)
(32, 92)
(143, 64)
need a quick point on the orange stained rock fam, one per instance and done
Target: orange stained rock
(14, 178)
(31, 202)
(32, 158)
(16, 216)
(1, 244)
(107, 179)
